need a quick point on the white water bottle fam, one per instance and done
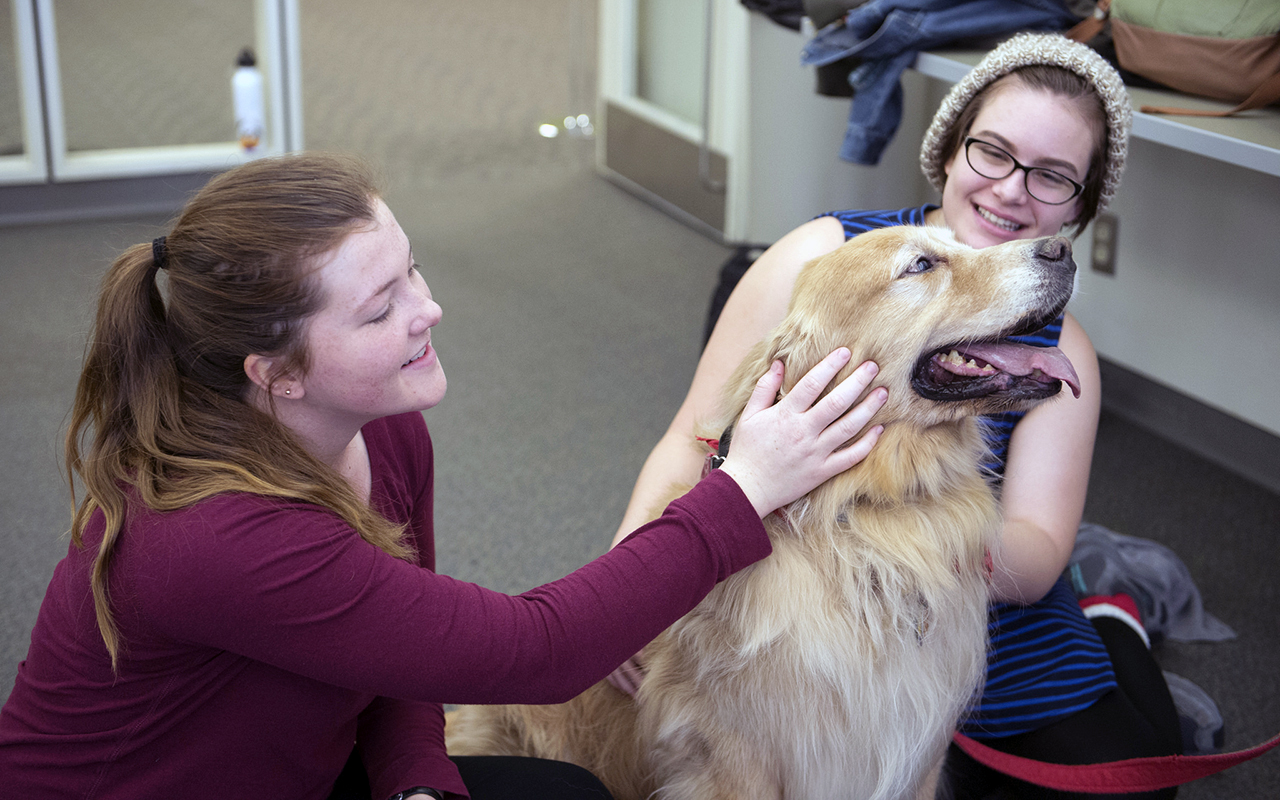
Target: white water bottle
(247, 100)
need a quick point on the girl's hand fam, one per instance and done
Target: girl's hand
(781, 452)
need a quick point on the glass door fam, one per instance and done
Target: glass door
(667, 97)
(144, 88)
(22, 153)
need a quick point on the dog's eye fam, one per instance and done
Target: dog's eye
(923, 264)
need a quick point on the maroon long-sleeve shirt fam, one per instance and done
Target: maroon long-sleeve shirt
(262, 638)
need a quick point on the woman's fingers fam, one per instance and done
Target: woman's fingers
(780, 452)
(819, 377)
(842, 425)
(846, 458)
(838, 400)
(766, 390)
(833, 412)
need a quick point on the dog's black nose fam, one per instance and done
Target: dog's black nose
(1055, 253)
(1053, 248)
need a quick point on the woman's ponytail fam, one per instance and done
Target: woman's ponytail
(128, 370)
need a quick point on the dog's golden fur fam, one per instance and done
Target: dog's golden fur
(838, 666)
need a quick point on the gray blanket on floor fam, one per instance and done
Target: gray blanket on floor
(1105, 563)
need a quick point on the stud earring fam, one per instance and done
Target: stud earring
(288, 392)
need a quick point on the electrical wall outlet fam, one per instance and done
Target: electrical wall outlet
(1106, 229)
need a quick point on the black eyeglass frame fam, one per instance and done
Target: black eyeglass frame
(1026, 171)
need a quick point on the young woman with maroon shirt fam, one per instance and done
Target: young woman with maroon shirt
(248, 607)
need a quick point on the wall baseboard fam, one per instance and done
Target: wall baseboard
(1228, 441)
(661, 203)
(86, 200)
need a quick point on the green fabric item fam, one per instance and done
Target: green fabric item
(1227, 19)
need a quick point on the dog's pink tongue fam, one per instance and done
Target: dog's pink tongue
(1022, 359)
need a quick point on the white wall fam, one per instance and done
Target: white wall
(1195, 302)
(794, 135)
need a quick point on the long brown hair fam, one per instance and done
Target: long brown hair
(1063, 83)
(161, 412)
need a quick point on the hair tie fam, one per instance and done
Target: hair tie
(159, 251)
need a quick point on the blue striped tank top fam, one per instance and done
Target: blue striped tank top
(1045, 661)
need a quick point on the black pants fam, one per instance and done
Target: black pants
(1136, 720)
(495, 778)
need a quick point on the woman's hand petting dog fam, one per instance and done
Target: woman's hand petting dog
(783, 450)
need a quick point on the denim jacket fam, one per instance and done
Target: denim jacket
(887, 34)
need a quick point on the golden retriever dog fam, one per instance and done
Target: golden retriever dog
(839, 666)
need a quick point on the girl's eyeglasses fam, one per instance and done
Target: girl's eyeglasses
(1049, 187)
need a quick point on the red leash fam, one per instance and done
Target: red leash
(1131, 775)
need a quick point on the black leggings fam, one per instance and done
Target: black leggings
(1135, 720)
(495, 778)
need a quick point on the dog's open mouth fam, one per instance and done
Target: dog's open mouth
(999, 367)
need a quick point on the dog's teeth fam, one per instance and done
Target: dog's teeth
(964, 365)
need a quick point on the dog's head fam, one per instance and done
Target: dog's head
(935, 315)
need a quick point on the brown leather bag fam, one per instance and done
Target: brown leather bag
(1239, 69)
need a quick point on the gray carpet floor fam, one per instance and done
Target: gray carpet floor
(572, 321)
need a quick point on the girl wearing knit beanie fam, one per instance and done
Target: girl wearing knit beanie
(1031, 143)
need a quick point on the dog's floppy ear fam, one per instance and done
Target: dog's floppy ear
(740, 386)
(818, 320)
(800, 347)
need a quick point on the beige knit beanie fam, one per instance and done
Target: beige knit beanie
(1023, 50)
